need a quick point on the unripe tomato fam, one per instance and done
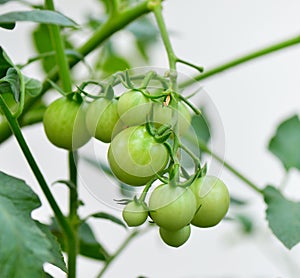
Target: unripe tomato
(163, 115)
(135, 214)
(64, 124)
(135, 157)
(172, 207)
(102, 119)
(175, 238)
(133, 108)
(212, 201)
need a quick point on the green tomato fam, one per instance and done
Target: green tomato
(135, 157)
(135, 214)
(212, 201)
(175, 238)
(64, 124)
(133, 108)
(172, 207)
(102, 119)
(163, 115)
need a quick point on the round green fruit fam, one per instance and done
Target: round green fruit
(163, 115)
(64, 124)
(212, 201)
(133, 108)
(102, 119)
(135, 214)
(172, 207)
(175, 238)
(135, 157)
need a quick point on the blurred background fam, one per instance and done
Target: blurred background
(250, 99)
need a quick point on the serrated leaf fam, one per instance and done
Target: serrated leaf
(33, 87)
(11, 83)
(39, 16)
(110, 217)
(24, 247)
(58, 259)
(285, 143)
(88, 244)
(283, 216)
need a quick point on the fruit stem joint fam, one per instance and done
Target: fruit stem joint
(152, 4)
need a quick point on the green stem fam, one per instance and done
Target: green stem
(157, 10)
(65, 77)
(132, 235)
(243, 59)
(61, 58)
(35, 169)
(229, 167)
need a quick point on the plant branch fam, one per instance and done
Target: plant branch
(243, 59)
(157, 10)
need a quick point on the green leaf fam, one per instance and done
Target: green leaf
(42, 42)
(88, 244)
(283, 216)
(113, 64)
(57, 259)
(11, 83)
(5, 63)
(39, 16)
(200, 125)
(33, 87)
(4, 1)
(112, 218)
(145, 33)
(24, 246)
(285, 143)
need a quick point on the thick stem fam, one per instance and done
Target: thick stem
(35, 169)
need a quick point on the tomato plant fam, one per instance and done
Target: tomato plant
(162, 144)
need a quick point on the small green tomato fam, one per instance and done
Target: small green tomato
(172, 207)
(212, 201)
(133, 108)
(135, 213)
(102, 119)
(175, 238)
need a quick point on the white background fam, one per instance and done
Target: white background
(251, 101)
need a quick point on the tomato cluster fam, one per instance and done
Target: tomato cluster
(144, 131)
